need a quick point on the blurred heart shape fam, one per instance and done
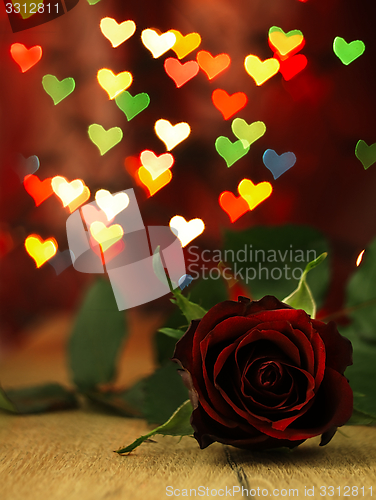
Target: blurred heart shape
(26, 166)
(67, 191)
(180, 73)
(154, 164)
(56, 89)
(106, 236)
(111, 204)
(25, 58)
(157, 44)
(153, 185)
(114, 84)
(104, 139)
(37, 189)
(278, 164)
(285, 43)
(259, 70)
(247, 133)
(117, 33)
(366, 154)
(186, 231)
(132, 105)
(227, 104)
(41, 251)
(231, 152)
(254, 194)
(171, 135)
(184, 45)
(348, 52)
(212, 65)
(233, 206)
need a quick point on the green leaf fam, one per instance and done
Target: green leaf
(361, 418)
(361, 295)
(270, 260)
(129, 402)
(42, 398)
(362, 373)
(189, 309)
(206, 293)
(97, 336)
(172, 332)
(164, 392)
(5, 403)
(302, 298)
(177, 425)
(360, 306)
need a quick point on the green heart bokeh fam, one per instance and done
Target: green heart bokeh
(104, 139)
(56, 89)
(366, 154)
(248, 134)
(348, 52)
(132, 106)
(230, 151)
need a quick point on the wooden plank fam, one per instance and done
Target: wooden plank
(69, 455)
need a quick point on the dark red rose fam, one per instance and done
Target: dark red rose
(263, 375)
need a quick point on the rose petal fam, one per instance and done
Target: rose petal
(208, 431)
(183, 348)
(338, 348)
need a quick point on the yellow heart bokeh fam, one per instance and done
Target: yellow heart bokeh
(117, 33)
(186, 231)
(285, 42)
(111, 204)
(185, 44)
(157, 44)
(106, 236)
(154, 164)
(77, 202)
(254, 194)
(114, 84)
(259, 70)
(41, 251)
(67, 191)
(171, 135)
(153, 185)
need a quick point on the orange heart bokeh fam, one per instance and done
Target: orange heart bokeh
(212, 65)
(25, 58)
(233, 206)
(39, 190)
(227, 104)
(180, 73)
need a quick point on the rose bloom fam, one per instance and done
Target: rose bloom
(264, 375)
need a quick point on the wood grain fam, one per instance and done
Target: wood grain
(69, 455)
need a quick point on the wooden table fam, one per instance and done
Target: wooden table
(69, 455)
